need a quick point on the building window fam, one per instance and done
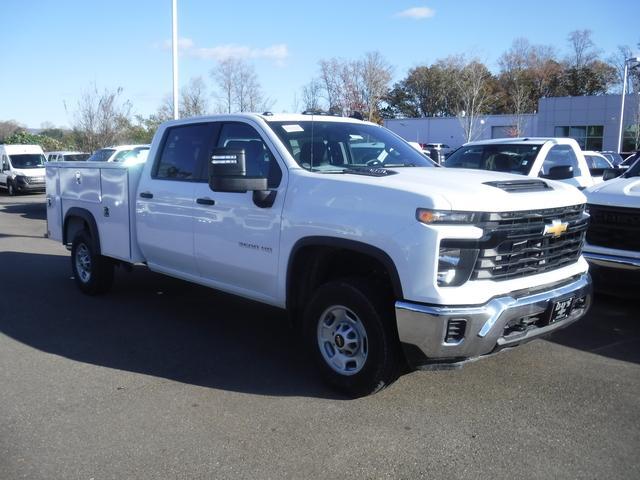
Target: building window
(588, 137)
(631, 138)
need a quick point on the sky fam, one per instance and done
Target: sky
(52, 51)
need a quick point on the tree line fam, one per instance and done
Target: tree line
(456, 86)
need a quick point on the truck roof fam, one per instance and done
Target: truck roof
(272, 117)
(523, 140)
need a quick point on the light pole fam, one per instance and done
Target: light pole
(635, 60)
(174, 45)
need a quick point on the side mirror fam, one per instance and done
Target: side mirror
(610, 173)
(561, 172)
(228, 172)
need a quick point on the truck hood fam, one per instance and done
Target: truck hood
(467, 190)
(619, 192)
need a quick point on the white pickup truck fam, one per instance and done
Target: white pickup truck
(613, 238)
(550, 158)
(381, 256)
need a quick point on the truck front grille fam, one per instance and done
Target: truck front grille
(614, 227)
(515, 243)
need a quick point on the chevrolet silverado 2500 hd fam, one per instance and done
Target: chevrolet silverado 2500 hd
(613, 239)
(381, 255)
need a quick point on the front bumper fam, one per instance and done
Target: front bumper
(612, 261)
(423, 329)
(26, 186)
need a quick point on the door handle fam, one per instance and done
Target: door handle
(146, 195)
(205, 201)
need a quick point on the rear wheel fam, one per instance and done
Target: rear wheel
(92, 272)
(350, 330)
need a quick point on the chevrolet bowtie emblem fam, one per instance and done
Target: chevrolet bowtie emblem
(556, 228)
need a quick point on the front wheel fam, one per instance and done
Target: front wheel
(92, 272)
(11, 189)
(349, 328)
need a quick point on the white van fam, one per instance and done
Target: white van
(22, 168)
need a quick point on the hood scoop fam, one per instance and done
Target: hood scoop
(518, 186)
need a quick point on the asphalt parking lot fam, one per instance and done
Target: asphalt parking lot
(164, 379)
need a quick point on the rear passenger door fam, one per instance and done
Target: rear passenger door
(236, 237)
(166, 202)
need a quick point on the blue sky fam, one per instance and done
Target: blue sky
(53, 50)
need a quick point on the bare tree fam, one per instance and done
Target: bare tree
(471, 81)
(376, 75)
(240, 88)
(101, 117)
(225, 75)
(311, 95)
(193, 99)
(514, 77)
(584, 51)
(329, 77)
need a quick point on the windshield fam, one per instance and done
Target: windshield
(339, 146)
(135, 156)
(28, 160)
(75, 157)
(510, 158)
(614, 158)
(101, 155)
(634, 171)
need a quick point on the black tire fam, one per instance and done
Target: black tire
(96, 276)
(373, 308)
(11, 188)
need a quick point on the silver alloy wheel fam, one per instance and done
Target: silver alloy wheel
(83, 263)
(342, 340)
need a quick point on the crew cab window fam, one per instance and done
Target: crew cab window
(558, 156)
(259, 160)
(182, 153)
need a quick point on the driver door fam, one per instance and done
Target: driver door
(236, 237)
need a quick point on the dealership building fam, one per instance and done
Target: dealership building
(594, 121)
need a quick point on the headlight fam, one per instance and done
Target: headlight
(21, 179)
(455, 265)
(441, 217)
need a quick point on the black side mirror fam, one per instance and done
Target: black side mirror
(610, 173)
(561, 172)
(228, 172)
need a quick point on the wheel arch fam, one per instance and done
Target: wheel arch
(77, 219)
(307, 254)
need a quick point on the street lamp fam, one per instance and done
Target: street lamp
(636, 61)
(174, 48)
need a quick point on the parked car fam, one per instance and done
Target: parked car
(438, 152)
(551, 158)
(111, 154)
(597, 164)
(613, 238)
(377, 254)
(22, 168)
(66, 156)
(630, 160)
(135, 156)
(614, 158)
